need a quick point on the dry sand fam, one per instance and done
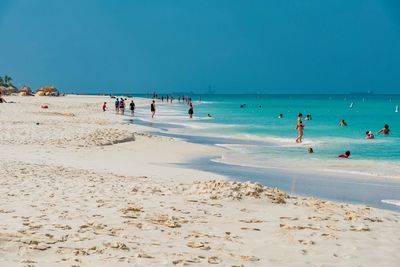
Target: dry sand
(81, 187)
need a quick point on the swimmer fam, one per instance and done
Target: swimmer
(369, 135)
(385, 130)
(310, 150)
(342, 123)
(280, 116)
(345, 155)
(209, 115)
(243, 105)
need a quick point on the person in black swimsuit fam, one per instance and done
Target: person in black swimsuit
(132, 107)
(153, 108)
(190, 111)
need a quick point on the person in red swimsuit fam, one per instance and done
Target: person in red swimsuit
(345, 155)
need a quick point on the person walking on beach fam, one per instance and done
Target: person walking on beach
(117, 105)
(153, 108)
(104, 106)
(190, 111)
(385, 130)
(299, 128)
(122, 106)
(132, 107)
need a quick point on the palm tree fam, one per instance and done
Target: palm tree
(7, 80)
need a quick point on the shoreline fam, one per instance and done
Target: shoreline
(87, 188)
(242, 144)
(346, 180)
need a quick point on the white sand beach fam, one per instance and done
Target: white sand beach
(83, 187)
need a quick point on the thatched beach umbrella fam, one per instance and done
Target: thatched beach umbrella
(40, 93)
(7, 90)
(47, 90)
(25, 91)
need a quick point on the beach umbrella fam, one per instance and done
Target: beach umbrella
(8, 90)
(25, 91)
(40, 93)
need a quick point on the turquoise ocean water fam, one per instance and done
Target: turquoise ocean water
(254, 136)
(258, 121)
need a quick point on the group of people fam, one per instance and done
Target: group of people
(153, 109)
(300, 128)
(120, 106)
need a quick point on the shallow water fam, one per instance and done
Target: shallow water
(255, 137)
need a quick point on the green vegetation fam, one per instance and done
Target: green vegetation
(6, 81)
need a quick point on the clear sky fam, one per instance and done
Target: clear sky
(291, 46)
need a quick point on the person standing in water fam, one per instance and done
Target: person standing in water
(117, 105)
(132, 107)
(190, 111)
(153, 108)
(299, 128)
(385, 130)
(343, 123)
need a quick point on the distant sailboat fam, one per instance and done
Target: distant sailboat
(351, 105)
(397, 109)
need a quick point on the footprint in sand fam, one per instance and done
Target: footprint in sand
(214, 260)
(200, 245)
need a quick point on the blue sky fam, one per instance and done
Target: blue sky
(291, 46)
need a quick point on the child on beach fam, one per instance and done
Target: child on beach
(104, 106)
(299, 128)
(153, 108)
(345, 155)
(385, 130)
